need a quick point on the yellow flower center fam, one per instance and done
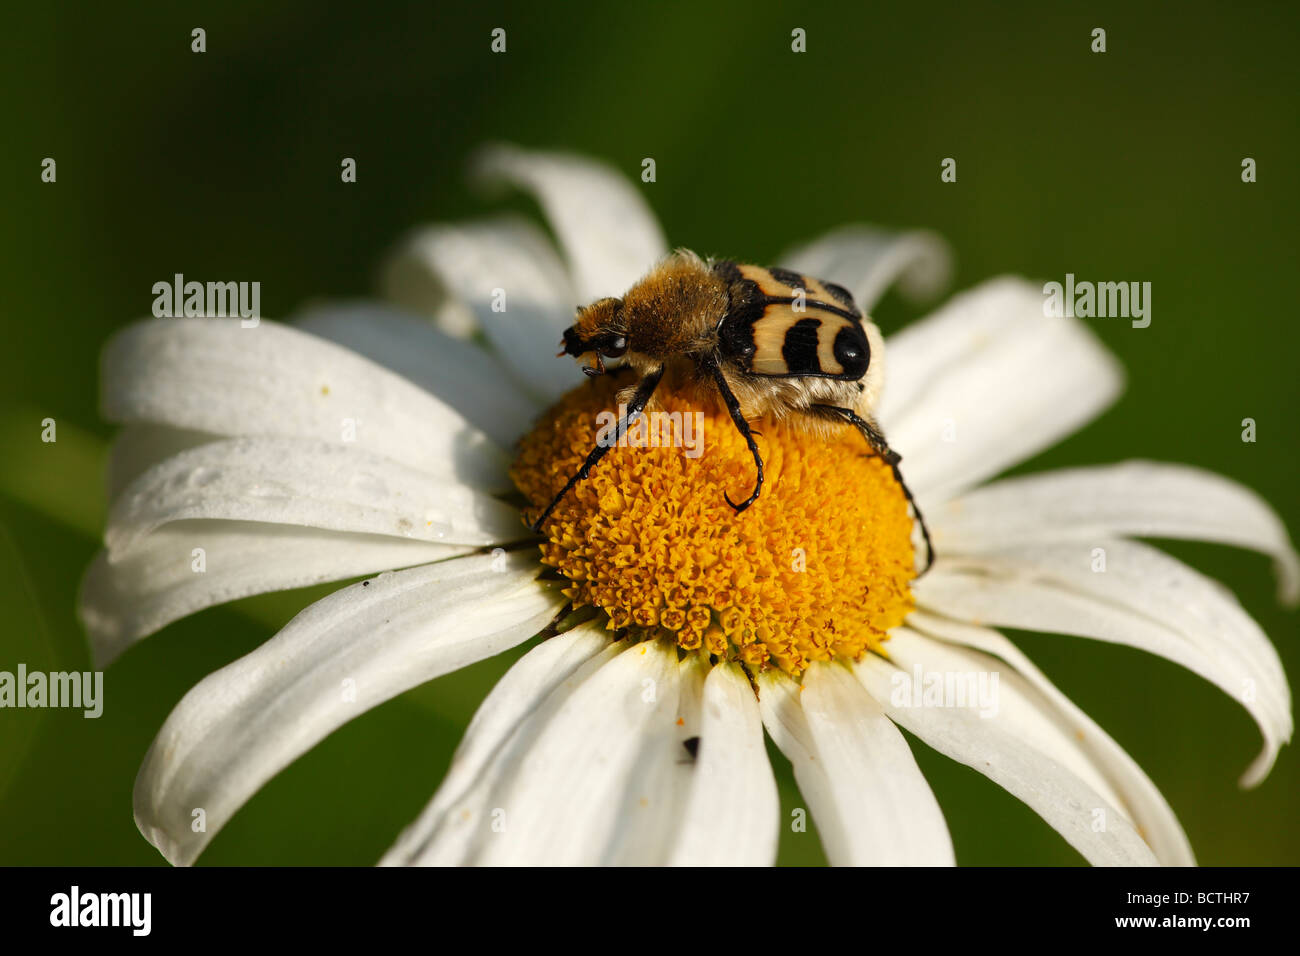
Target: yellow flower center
(818, 567)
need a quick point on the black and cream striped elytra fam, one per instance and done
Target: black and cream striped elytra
(780, 324)
(768, 342)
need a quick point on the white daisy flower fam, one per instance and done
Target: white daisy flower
(361, 440)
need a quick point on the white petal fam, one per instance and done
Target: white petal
(573, 796)
(987, 382)
(468, 378)
(867, 261)
(212, 375)
(505, 271)
(457, 819)
(660, 781)
(337, 659)
(783, 717)
(1018, 750)
(1144, 599)
(690, 699)
(308, 483)
(609, 235)
(871, 803)
(1148, 809)
(137, 448)
(995, 693)
(1143, 498)
(733, 809)
(694, 670)
(160, 580)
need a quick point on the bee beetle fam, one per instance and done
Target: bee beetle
(768, 342)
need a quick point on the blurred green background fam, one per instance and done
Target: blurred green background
(1122, 165)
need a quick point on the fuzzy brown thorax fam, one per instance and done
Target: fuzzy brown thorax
(674, 310)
